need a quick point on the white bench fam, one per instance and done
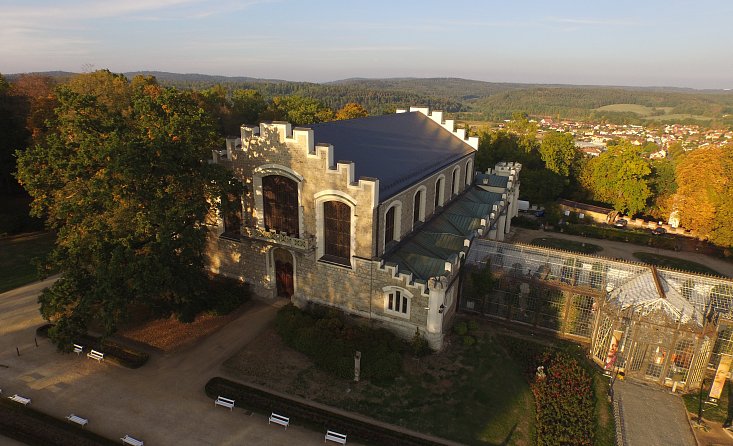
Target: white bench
(78, 349)
(335, 437)
(224, 402)
(279, 419)
(131, 441)
(78, 420)
(99, 356)
(20, 399)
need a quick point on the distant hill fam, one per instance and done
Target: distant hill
(479, 100)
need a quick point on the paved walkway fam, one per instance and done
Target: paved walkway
(161, 403)
(652, 416)
(623, 250)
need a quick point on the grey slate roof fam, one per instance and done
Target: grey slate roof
(398, 149)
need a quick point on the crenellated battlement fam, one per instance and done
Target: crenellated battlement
(448, 124)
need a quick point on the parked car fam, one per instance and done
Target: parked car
(620, 223)
(659, 231)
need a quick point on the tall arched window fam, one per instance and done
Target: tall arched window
(439, 192)
(455, 185)
(417, 207)
(337, 231)
(389, 226)
(469, 172)
(280, 202)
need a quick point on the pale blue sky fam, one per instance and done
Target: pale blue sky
(660, 43)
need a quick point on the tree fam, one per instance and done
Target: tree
(297, 110)
(705, 193)
(247, 106)
(350, 111)
(620, 177)
(127, 194)
(558, 152)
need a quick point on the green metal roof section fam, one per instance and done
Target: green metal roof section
(492, 180)
(424, 253)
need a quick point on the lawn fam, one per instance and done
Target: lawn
(721, 413)
(474, 395)
(16, 258)
(567, 245)
(675, 263)
(642, 110)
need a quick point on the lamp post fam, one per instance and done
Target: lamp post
(699, 406)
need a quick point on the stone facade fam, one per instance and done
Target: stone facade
(361, 285)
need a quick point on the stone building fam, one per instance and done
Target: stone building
(654, 324)
(372, 216)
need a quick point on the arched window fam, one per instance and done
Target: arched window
(397, 302)
(389, 226)
(232, 211)
(439, 192)
(469, 172)
(337, 232)
(417, 211)
(455, 185)
(280, 202)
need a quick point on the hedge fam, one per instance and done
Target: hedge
(35, 428)
(621, 235)
(120, 354)
(565, 405)
(299, 410)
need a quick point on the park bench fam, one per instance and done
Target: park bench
(279, 419)
(78, 349)
(99, 356)
(20, 399)
(335, 437)
(224, 402)
(131, 441)
(78, 420)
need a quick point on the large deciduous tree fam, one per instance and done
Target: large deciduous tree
(620, 177)
(123, 180)
(705, 193)
(297, 110)
(558, 152)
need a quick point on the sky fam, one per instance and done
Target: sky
(630, 43)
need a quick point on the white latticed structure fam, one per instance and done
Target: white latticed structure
(656, 324)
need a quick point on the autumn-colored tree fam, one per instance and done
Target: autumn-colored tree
(705, 193)
(123, 180)
(558, 152)
(350, 111)
(620, 177)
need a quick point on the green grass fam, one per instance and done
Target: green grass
(16, 259)
(673, 262)
(478, 397)
(642, 110)
(721, 413)
(568, 245)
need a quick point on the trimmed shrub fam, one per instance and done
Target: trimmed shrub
(419, 345)
(472, 325)
(460, 328)
(469, 340)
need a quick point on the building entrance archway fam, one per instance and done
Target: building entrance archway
(284, 281)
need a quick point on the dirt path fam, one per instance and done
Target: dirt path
(623, 250)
